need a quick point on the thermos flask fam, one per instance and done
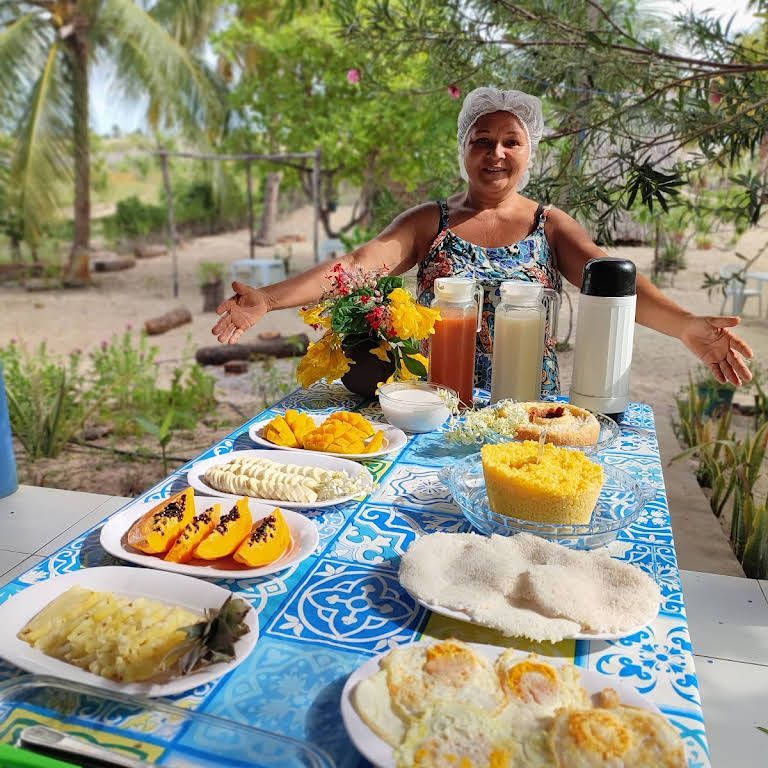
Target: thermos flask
(605, 330)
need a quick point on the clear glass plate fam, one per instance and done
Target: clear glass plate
(609, 433)
(620, 503)
(150, 730)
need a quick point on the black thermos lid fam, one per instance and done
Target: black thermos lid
(609, 277)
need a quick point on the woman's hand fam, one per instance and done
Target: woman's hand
(722, 352)
(239, 312)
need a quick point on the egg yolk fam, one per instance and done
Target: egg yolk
(531, 681)
(599, 732)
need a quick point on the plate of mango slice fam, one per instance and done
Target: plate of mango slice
(346, 434)
(212, 537)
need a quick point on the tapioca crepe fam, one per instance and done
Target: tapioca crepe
(526, 586)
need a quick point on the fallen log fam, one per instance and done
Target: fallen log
(169, 320)
(284, 346)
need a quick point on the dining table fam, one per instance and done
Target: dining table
(343, 605)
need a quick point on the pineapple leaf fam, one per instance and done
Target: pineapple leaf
(213, 640)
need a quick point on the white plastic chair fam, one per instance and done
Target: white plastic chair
(737, 290)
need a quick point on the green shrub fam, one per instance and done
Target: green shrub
(133, 218)
(125, 384)
(46, 403)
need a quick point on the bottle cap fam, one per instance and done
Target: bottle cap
(455, 288)
(521, 289)
(609, 277)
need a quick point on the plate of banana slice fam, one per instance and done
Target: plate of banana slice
(344, 434)
(282, 478)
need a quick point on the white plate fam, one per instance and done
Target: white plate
(394, 440)
(461, 616)
(304, 458)
(171, 588)
(304, 537)
(380, 753)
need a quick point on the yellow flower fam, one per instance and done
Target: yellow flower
(313, 316)
(382, 351)
(324, 359)
(412, 321)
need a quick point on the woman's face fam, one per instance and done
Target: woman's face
(497, 152)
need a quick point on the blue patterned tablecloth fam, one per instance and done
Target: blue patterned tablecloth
(324, 617)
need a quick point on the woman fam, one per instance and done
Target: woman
(489, 231)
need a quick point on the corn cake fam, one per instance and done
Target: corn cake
(546, 484)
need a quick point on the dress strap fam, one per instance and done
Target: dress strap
(443, 205)
(542, 211)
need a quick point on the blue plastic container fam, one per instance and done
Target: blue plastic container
(8, 480)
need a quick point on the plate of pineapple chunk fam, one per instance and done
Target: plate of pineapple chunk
(211, 537)
(281, 478)
(128, 629)
(346, 434)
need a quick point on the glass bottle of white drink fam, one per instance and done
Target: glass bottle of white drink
(518, 342)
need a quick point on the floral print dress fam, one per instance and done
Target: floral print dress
(530, 259)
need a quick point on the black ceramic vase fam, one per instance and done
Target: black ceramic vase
(366, 370)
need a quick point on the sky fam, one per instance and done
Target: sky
(108, 108)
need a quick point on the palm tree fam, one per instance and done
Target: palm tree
(46, 50)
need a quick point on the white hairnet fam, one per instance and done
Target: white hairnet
(484, 101)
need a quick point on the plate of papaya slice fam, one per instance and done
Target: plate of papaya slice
(345, 434)
(215, 538)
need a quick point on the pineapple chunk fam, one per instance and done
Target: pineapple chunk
(124, 639)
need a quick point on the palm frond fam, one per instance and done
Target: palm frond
(23, 44)
(188, 21)
(149, 60)
(40, 162)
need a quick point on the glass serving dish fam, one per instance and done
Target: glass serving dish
(609, 433)
(146, 730)
(620, 503)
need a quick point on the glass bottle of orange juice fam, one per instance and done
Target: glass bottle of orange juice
(452, 346)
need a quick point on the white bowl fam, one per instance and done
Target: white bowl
(414, 406)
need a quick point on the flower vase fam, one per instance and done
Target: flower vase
(367, 370)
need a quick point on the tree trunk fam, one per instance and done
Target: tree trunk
(78, 48)
(266, 233)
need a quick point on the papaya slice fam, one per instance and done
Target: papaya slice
(269, 539)
(194, 532)
(157, 530)
(227, 534)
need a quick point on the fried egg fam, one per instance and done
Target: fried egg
(420, 676)
(370, 698)
(456, 735)
(536, 687)
(615, 735)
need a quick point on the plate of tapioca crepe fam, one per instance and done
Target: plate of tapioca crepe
(525, 586)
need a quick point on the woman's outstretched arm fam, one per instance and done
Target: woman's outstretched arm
(708, 337)
(394, 251)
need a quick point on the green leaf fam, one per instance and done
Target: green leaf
(388, 284)
(348, 316)
(416, 367)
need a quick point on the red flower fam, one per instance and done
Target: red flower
(354, 76)
(454, 91)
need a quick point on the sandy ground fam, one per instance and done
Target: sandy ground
(70, 319)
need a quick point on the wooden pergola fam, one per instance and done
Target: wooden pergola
(290, 159)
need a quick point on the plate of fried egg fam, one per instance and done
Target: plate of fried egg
(453, 703)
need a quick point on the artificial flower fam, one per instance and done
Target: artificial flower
(324, 359)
